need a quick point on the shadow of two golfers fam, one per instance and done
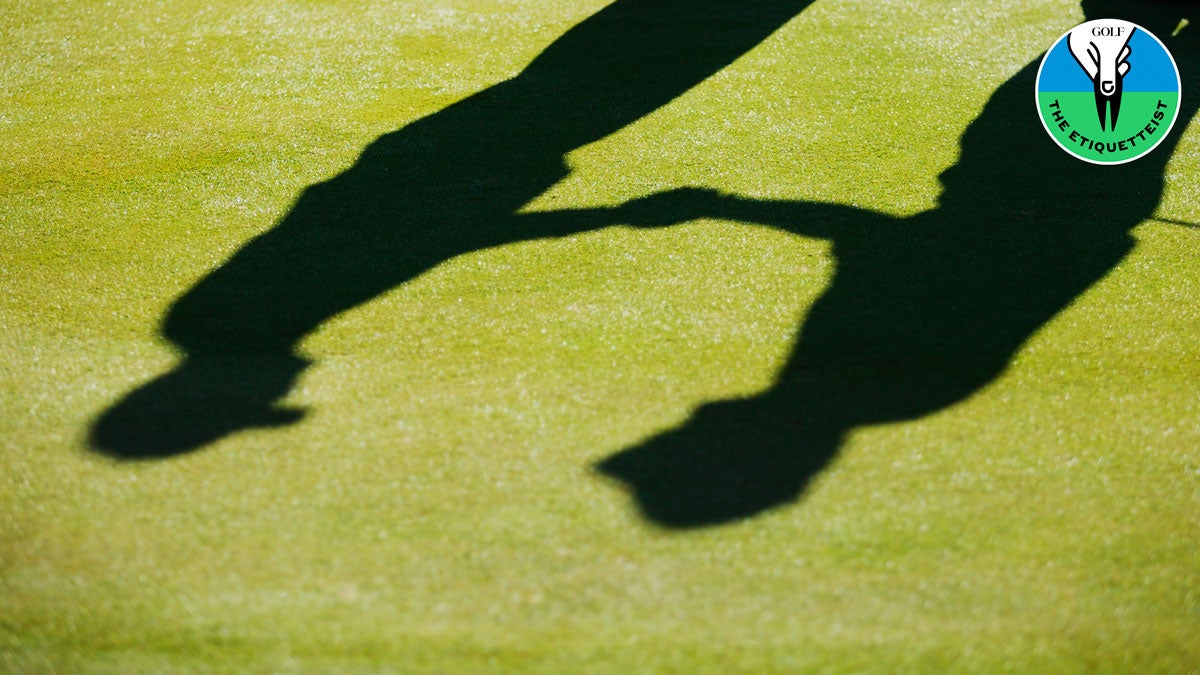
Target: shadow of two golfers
(921, 312)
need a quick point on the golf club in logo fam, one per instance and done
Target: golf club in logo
(1108, 91)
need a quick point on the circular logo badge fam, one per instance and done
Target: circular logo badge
(1108, 91)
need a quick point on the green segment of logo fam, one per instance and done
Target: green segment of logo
(1071, 118)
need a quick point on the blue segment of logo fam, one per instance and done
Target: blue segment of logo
(1150, 68)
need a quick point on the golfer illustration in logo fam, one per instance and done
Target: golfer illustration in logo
(1103, 53)
(1122, 70)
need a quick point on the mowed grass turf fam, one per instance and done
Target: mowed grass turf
(438, 508)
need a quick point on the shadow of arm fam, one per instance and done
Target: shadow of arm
(804, 218)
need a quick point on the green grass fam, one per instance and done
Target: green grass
(437, 510)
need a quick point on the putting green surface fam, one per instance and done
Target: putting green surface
(472, 485)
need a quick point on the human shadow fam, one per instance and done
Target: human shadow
(922, 311)
(445, 185)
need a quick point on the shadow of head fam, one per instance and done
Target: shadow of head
(199, 402)
(731, 461)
